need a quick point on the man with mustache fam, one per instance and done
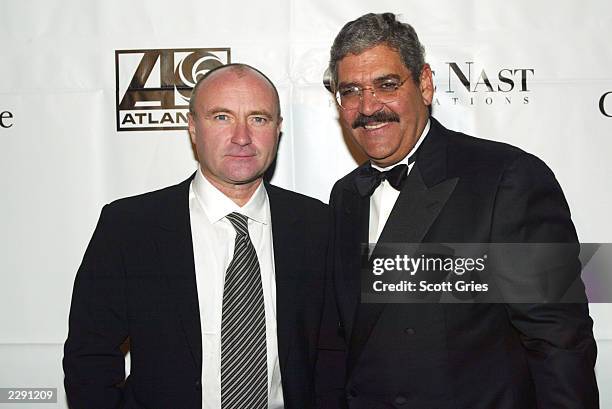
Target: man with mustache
(425, 184)
(217, 282)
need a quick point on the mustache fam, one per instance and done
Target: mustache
(380, 116)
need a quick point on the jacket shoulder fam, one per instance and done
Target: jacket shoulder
(468, 154)
(478, 149)
(149, 205)
(292, 198)
(288, 206)
(345, 183)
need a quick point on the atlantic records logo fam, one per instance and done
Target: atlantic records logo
(153, 87)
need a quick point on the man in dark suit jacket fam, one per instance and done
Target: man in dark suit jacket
(154, 261)
(426, 184)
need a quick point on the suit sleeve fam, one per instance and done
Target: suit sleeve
(93, 362)
(558, 339)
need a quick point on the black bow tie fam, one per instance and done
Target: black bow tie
(369, 178)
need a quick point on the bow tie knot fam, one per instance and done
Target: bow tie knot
(369, 178)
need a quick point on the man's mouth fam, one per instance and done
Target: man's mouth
(375, 125)
(240, 156)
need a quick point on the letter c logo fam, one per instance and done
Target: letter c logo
(601, 104)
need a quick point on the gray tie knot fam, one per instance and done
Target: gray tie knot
(240, 223)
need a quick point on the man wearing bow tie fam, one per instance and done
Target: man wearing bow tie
(422, 184)
(217, 282)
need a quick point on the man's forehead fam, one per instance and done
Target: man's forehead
(237, 71)
(371, 64)
(229, 81)
(231, 76)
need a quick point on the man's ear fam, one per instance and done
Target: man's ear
(426, 85)
(279, 127)
(191, 126)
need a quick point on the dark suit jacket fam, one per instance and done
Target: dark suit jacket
(137, 280)
(463, 356)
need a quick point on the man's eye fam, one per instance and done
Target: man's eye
(349, 92)
(388, 86)
(221, 117)
(259, 120)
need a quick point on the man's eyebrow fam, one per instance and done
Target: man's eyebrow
(349, 84)
(261, 113)
(387, 77)
(381, 78)
(218, 109)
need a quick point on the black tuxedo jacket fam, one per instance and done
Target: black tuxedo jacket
(137, 280)
(463, 356)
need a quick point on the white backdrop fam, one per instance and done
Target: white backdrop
(62, 158)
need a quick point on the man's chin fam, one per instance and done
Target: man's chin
(249, 181)
(377, 152)
(237, 176)
(245, 177)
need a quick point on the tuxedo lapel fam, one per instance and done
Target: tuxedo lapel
(416, 209)
(176, 252)
(286, 254)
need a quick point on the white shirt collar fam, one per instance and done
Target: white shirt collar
(412, 151)
(216, 205)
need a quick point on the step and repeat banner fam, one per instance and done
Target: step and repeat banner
(75, 134)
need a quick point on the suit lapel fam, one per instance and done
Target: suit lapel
(176, 251)
(285, 255)
(415, 210)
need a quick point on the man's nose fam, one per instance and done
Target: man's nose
(242, 134)
(369, 103)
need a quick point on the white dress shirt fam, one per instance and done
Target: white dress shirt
(384, 197)
(213, 248)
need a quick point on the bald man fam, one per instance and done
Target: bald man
(217, 282)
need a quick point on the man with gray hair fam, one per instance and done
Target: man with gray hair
(425, 184)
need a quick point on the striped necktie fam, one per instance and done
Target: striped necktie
(244, 371)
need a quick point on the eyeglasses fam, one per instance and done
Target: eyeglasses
(385, 91)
